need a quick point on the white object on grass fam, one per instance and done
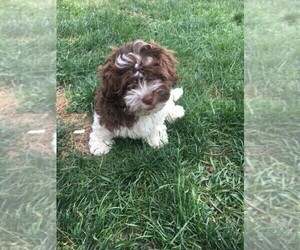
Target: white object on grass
(37, 131)
(79, 131)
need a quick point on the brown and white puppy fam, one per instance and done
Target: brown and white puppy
(135, 96)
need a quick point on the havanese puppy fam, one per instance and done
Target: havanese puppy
(135, 96)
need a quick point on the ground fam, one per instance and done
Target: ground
(186, 195)
(27, 125)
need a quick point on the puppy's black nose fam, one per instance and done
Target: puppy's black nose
(147, 99)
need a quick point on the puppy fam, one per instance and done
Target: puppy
(135, 96)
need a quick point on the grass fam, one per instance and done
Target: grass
(272, 125)
(27, 192)
(27, 90)
(187, 195)
(28, 53)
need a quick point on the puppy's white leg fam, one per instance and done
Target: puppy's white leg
(100, 138)
(175, 112)
(158, 137)
(99, 145)
(176, 93)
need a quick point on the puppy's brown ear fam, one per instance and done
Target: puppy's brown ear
(107, 85)
(110, 80)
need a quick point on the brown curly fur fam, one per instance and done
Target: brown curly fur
(115, 81)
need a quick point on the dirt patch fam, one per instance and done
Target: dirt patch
(80, 121)
(80, 141)
(32, 122)
(9, 114)
(8, 102)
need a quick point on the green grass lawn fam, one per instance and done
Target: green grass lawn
(27, 91)
(272, 121)
(27, 50)
(187, 195)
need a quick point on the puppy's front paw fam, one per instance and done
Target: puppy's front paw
(99, 149)
(176, 93)
(158, 138)
(175, 113)
(156, 142)
(98, 146)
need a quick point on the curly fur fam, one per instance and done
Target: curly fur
(109, 101)
(136, 83)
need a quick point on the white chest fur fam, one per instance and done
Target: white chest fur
(149, 127)
(143, 127)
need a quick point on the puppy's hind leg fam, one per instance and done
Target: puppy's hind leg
(158, 136)
(100, 142)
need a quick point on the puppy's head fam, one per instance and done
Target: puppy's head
(138, 77)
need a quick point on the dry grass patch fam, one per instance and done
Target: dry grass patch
(8, 102)
(79, 121)
(40, 142)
